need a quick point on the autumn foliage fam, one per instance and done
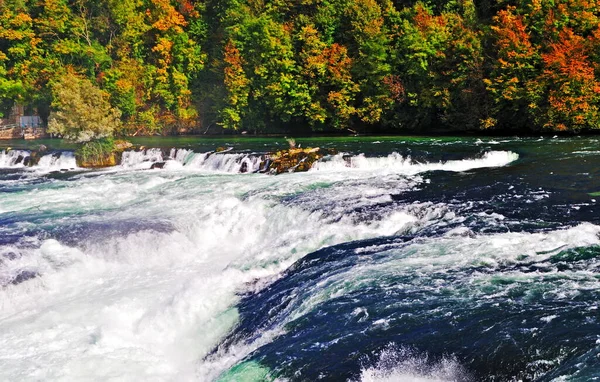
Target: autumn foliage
(173, 66)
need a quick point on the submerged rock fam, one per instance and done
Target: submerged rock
(158, 165)
(294, 160)
(33, 159)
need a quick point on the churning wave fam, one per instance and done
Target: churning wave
(236, 163)
(401, 164)
(56, 161)
(404, 364)
(422, 290)
(227, 162)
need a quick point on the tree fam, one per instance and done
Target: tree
(81, 110)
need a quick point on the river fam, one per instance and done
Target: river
(398, 259)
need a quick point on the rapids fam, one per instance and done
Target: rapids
(417, 259)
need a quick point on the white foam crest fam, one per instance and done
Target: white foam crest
(457, 251)
(142, 159)
(398, 164)
(13, 158)
(401, 364)
(64, 160)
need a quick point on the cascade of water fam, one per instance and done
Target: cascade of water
(188, 159)
(13, 158)
(62, 160)
(141, 159)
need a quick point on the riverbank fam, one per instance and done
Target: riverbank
(271, 142)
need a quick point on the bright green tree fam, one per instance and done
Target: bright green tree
(81, 111)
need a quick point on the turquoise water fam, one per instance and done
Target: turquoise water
(400, 258)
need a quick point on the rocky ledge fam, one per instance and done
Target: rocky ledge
(293, 160)
(98, 155)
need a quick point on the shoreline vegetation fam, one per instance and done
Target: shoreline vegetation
(97, 69)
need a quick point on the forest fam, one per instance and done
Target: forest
(302, 66)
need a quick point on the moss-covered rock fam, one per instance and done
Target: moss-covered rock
(294, 160)
(101, 153)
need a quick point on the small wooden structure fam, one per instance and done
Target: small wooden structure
(18, 126)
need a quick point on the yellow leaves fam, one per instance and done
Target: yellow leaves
(17, 26)
(340, 100)
(371, 110)
(21, 19)
(163, 47)
(488, 123)
(166, 17)
(316, 112)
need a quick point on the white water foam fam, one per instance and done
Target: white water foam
(249, 163)
(9, 158)
(64, 160)
(142, 159)
(401, 364)
(226, 162)
(151, 303)
(405, 165)
(179, 159)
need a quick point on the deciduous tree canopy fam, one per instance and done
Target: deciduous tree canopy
(269, 66)
(81, 111)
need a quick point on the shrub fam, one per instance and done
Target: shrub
(81, 111)
(97, 153)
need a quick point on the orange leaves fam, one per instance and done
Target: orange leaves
(568, 56)
(232, 55)
(512, 38)
(339, 63)
(548, 74)
(166, 16)
(235, 78)
(573, 88)
(425, 21)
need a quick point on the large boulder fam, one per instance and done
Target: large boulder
(294, 160)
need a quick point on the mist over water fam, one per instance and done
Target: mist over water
(398, 259)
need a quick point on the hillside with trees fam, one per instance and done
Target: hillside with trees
(182, 66)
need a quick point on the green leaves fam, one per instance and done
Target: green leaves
(81, 111)
(267, 66)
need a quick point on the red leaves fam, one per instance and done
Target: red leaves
(395, 87)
